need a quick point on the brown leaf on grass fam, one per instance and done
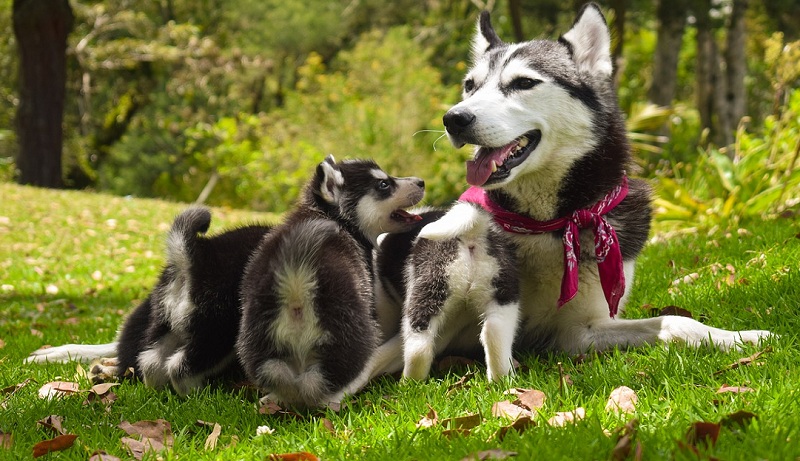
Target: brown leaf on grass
(15, 387)
(101, 455)
(506, 409)
(627, 435)
(299, 456)
(489, 454)
(53, 423)
(734, 389)
(462, 422)
(745, 361)
(2, 344)
(563, 417)
(519, 425)
(58, 389)
(101, 393)
(135, 447)
(622, 400)
(61, 442)
(153, 436)
(430, 419)
(741, 418)
(703, 433)
(674, 310)
(335, 407)
(6, 440)
(328, 425)
(268, 407)
(461, 383)
(531, 399)
(213, 437)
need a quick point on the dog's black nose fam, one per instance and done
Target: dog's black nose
(421, 184)
(455, 121)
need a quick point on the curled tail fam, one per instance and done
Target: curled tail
(183, 234)
(462, 220)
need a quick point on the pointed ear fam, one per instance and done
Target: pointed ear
(485, 37)
(590, 41)
(330, 180)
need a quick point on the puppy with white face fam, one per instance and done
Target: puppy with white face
(308, 324)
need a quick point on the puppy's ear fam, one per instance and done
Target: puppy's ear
(485, 37)
(589, 41)
(330, 180)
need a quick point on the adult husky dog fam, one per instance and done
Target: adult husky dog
(549, 166)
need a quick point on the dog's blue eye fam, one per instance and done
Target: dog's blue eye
(469, 85)
(383, 184)
(524, 83)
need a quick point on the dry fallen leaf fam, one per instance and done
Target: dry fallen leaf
(740, 418)
(213, 438)
(489, 454)
(674, 310)
(627, 435)
(461, 383)
(734, 389)
(61, 442)
(532, 399)
(54, 423)
(154, 436)
(563, 417)
(622, 400)
(745, 361)
(519, 425)
(429, 420)
(328, 425)
(58, 389)
(462, 422)
(703, 433)
(506, 409)
(6, 440)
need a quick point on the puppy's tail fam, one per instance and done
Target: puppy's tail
(463, 220)
(183, 235)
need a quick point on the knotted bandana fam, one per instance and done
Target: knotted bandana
(606, 246)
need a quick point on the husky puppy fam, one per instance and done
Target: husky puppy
(549, 166)
(459, 290)
(308, 324)
(184, 332)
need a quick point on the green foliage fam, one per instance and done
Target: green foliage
(758, 177)
(375, 102)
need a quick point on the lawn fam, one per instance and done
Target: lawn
(73, 264)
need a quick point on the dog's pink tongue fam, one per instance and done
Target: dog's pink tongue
(480, 168)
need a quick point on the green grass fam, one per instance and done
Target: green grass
(102, 268)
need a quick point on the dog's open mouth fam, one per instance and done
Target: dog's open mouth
(492, 164)
(404, 217)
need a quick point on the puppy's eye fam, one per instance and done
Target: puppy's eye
(469, 85)
(523, 83)
(383, 184)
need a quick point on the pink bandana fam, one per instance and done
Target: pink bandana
(606, 245)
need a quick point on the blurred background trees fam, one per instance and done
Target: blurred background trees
(233, 102)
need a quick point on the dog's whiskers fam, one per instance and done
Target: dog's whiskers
(444, 133)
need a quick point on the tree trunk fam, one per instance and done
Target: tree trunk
(41, 28)
(735, 96)
(706, 71)
(515, 11)
(618, 37)
(671, 25)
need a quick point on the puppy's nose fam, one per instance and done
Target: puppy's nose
(456, 120)
(420, 183)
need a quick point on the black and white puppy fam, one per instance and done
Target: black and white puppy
(184, 332)
(308, 325)
(459, 291)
